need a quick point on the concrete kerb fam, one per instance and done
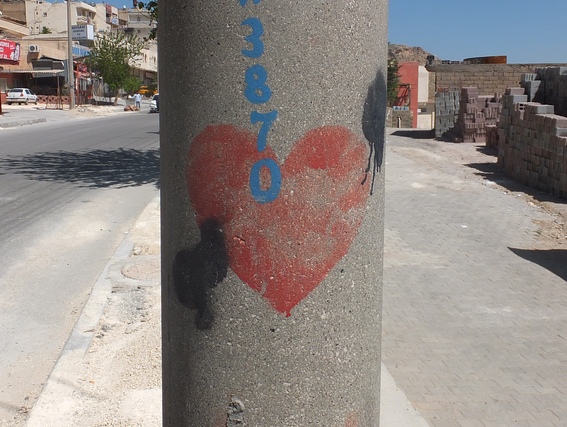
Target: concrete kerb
(16, 116)
(56, 401)
(24, 122)
(53, 403)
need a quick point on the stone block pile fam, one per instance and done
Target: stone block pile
(447, 104)
(548, 85)
(532, 143)
(533, 87)
(476, 112)
(555, 82)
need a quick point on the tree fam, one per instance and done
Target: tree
(393, 80)
(45, 30)
(152, 8)
(111, 57)
(132, 84)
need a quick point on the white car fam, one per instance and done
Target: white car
(154, 104)
(21, 96)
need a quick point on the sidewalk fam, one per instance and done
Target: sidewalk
(474, 306)
(23, 115)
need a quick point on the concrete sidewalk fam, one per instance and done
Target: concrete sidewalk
(24, 115)
(474, 306)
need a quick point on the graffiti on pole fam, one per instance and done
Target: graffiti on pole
(284, 225)
(285, 248)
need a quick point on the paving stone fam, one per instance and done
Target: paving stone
(474, 327)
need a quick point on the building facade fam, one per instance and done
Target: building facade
(40, 30)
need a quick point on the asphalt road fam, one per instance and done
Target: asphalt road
(69, 192)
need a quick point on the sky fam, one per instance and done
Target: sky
(526, 31)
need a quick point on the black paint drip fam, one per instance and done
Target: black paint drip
(374, 125)
(196, 271)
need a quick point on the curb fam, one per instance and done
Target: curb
(22, 123)
(51, 403)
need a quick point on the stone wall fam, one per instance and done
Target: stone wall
(490, 79)
(399, 118)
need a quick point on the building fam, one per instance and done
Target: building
(413, 98)
(40, 30)
(30, 60)
(136, 21)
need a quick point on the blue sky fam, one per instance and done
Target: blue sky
(117, 3)
(526, 31)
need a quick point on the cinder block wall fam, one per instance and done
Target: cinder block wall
(490, 79)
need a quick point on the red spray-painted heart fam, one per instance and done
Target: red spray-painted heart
(285, 248)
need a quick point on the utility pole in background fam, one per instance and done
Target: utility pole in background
(272, 136)
(71, 67)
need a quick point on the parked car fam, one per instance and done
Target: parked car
(21, 96)
(154, 104)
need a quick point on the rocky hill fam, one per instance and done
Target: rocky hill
(403, 53)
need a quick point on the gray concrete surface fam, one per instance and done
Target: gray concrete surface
(474, 302)
(299, 309)
(474, 295)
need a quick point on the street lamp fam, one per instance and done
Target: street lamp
(71, 72)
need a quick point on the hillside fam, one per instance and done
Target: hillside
(403, 53)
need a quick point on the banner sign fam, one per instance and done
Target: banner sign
(9, 50)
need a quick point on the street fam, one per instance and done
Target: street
(69, 192)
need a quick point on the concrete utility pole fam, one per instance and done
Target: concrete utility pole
(71, 67)
(272, 134)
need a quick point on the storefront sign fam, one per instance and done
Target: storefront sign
(9, 50)
(82, 32)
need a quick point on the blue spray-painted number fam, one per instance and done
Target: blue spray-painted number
(254, 39)
(257, 91)
(272, 193)
(267, 120)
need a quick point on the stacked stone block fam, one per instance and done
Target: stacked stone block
(533, 87)
(475, 114)
(533, 143)
(555, 90)
(492, 137)
(470, 121)
(447, 104)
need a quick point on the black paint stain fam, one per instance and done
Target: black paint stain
(374, 125)
(196, 271)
